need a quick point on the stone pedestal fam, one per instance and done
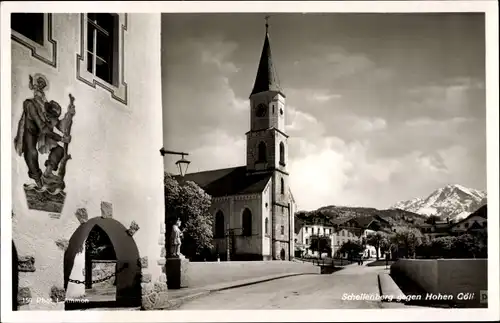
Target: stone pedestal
(177, 272)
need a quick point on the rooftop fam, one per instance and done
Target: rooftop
(229, 181)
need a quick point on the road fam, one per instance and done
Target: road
(302, 292)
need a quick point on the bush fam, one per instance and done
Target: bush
(463, 246)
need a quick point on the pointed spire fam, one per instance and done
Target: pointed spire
(267, 78)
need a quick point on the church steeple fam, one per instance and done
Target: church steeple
(267, 78)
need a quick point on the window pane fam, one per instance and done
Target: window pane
(90, 38)
(105, 20)
(103, 70)
(103, 45)
(90, 62)
(91, 16)
(29, 25)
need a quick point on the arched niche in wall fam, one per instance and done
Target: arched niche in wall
(128, 272)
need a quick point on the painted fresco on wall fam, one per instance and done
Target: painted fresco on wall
(37, 139)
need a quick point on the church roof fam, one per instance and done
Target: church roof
(267, 77)
(229, 181)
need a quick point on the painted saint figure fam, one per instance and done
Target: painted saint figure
(35, 134)
(175, 238)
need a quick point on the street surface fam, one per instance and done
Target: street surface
(302, 292)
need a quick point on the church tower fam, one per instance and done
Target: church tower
(267, 147)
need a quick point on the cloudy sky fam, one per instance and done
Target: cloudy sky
(380, 107)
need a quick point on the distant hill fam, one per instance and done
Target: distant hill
(452, 201)
(332, 214)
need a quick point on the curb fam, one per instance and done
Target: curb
(177, 302)
(389, 290)
(256, 281)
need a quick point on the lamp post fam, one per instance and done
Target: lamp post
(182, 163)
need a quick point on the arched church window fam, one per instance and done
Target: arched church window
(282, 186)
(219, 225)
(266, 226)
(262, 152)
(247, 223)
(282, 154)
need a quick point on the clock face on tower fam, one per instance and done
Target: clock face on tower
(261, 110)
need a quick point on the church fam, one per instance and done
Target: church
(252, 205)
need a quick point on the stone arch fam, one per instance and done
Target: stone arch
(15, 277)
(128, 278)
(246, 221)
(262, 152)
(282, 153)
(219, 225)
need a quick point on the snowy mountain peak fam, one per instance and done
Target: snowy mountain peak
(453, 201)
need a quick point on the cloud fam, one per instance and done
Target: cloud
(301, 123)
(216, 149)
(360, 124)
(453, 97)
(366, 127)
(428, 122)
(332, 171)
(197, 91)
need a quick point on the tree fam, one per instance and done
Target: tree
(463, 246)
(189, 203)
(320, 244)
(408, 240)
(385, 244)
(375, 239)
(350, 248)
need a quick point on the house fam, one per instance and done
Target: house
(339, 231)
(252, 205)
(86, 173)
(436, 229)
(476, 222)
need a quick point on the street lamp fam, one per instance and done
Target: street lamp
(182, 163)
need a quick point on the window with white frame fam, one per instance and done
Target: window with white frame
(30, 25)
(34, 32)
(102, 46)
(101, 59)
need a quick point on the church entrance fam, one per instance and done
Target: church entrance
(282, 254)
(111, 272)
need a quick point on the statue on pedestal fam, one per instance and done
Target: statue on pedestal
(177, 264)
(175, 240)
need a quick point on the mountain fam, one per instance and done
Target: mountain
(452, 201)
(330, 214)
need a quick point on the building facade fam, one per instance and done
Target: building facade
(476, 222)
(253, 205)
(341, 231)
(85, 163)
(337, 233)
